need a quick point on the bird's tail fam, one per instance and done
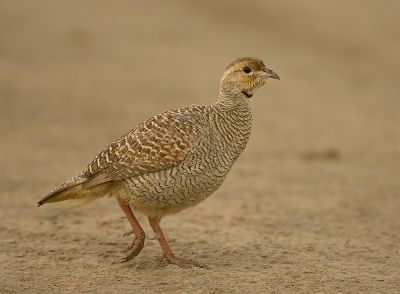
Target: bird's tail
(74, 189)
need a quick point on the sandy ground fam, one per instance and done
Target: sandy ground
(311, 206)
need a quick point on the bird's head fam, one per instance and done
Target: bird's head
(244, 75)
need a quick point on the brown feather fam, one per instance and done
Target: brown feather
(161, 142)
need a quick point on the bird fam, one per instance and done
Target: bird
(173, 160)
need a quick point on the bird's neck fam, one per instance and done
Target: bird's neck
(228, 101)
(232, 119)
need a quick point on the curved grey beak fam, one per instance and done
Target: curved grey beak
(271, 74)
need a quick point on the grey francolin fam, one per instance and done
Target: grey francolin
(175, 159)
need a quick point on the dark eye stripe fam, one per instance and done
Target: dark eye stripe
(247, 69)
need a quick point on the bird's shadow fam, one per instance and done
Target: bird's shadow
(212, 255)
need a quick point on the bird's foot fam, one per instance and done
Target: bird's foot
(135, 247)
(128, 233)
(133, 244)
(171, 258)
(139, 235)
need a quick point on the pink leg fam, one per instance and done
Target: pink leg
(168, 254)
(138, 243)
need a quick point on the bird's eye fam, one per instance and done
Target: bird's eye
(247, 69)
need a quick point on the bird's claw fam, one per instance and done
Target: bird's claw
(171, 258)
(134, 249)
(133, 243)
(128, 233)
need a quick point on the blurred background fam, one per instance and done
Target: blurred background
(312, 204)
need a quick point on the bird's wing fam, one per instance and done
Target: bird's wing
(159, 143)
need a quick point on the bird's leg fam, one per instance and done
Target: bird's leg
(138, 242)
(168, 254)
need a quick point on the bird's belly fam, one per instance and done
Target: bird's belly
(174, 189)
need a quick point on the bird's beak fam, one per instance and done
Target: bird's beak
(271, 74)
